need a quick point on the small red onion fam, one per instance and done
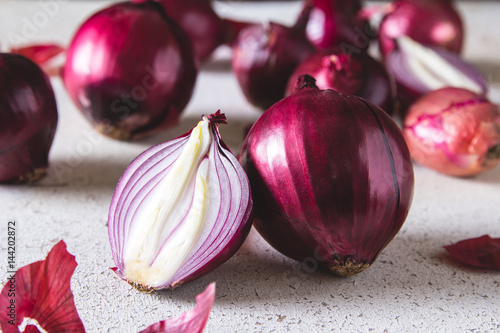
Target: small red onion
(454, 131)
(429, 22)
(337, 22)
(130, 70)
(28, 119)
(418, 70)
(356, 74)
(265, 56)
(333, 175)
(198, 19)
(180, 209)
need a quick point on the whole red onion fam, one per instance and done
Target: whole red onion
(454, 131)
(265, 56)
(334, 22)
(429, 22)
(199, 20)
(356, 74)
(130, 70)
(28, 119)
(333, 175)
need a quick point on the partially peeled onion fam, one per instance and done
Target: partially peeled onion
(454, 131)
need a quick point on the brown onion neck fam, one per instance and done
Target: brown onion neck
(306, 81)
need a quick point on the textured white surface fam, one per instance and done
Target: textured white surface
(413, 286)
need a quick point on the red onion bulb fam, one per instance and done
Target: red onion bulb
(337, 22)
(198, 19)
(333, 175)
(356, 74)
(454, 131)
(180, 209)
(130, 70)
(265, 56)
(28, 119)
(429, 22)
(419, 69)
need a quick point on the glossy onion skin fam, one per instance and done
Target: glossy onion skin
(332, 176)
(454, 131)
(28, 119)
(126, 84)
(357, 74)
(264, 57)
(429, 22)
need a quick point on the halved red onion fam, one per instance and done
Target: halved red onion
(429, 22)
(180, 209)
(333, 175)
(454, 131)
(130, 70)
(356, 74)
(264, 57)
(28, 119)
(419, 69)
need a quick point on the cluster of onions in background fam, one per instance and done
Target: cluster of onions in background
(337, 113)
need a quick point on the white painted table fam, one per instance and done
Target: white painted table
(413, 286)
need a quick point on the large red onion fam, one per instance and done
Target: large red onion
(28, 119)
(429, 22)
(333, 175)
(130, 70)
(356, 74)
(265, 56)
(454, 131)
(338, 22)
(180, 209)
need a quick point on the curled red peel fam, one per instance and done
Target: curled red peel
(192, 321)
(481, 252)
(42, 292)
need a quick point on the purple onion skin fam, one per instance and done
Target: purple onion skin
(340, 23)
(332, 177)
(356, 74)
(429, 22)
(129, 86)
(264, 58)
(28, 119)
